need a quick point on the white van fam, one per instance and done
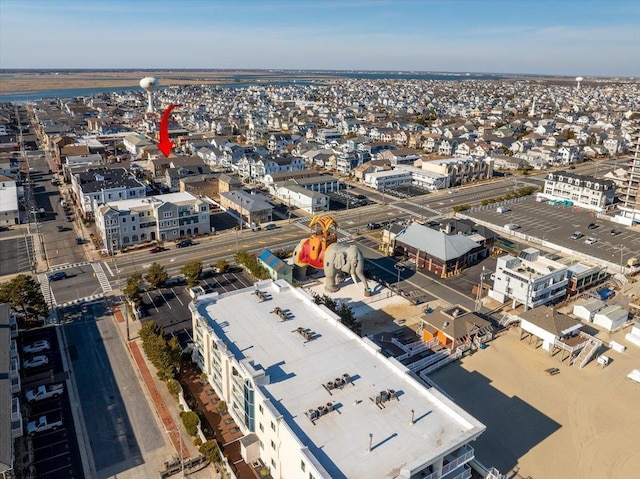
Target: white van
(503, 209)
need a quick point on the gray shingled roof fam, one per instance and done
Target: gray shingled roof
(435, 243)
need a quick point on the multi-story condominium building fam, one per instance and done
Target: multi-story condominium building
(98, 186)
(584, 191)
(316, 401)
(630, 208)
(10, 391)
(529, 279)
(381, 180)
(161, 218)
(9, 212)
(461, 170)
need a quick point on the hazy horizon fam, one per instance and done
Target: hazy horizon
(548, 38)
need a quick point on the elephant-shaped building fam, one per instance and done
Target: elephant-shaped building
(322, 251)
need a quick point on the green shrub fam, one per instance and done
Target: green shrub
(210, 451)
(190, 421)
(174, 387)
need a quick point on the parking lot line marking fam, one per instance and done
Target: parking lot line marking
(154, 304)
(66, 453)
(177, 297)
(165, 299)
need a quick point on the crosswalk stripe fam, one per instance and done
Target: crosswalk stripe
(102, 278)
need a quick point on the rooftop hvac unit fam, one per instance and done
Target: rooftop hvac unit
(330, 407)
(322, 410)
(313, 414)
(338, 382)
(330, 385)
(392, 394)
(384, 396)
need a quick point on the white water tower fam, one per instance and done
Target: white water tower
(149, 84)
(578, 81)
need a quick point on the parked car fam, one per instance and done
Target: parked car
(576, 235)
(157, 249)
(503, 209)
(44, 423)
(590, 240)
(58, 275)
(79, 240)
(44, 392)
(37, 347)
(592, 226)
(184, 243)
(270, 226)
(373, 226)
(36, 362)
(614, 232)
(512, 226)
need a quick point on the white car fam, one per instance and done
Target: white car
(36, 362)
(37, 347)
(590, 240)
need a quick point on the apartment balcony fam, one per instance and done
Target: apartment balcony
(456, 459)
(13, 326)
(464, 473)
(16, 418)
(14, 374)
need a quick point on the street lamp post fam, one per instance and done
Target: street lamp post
(399, 268)
(168, 431)
(479, 295)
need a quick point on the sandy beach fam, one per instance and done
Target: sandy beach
(579, 424)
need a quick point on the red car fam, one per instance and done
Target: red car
(158, 249)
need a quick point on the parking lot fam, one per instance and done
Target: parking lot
(345, 199)
(15, 253)
(53, 453)
(168, 306)
(556, 224)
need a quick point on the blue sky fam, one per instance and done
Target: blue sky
(561, 37)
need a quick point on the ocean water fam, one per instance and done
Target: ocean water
(245, 80)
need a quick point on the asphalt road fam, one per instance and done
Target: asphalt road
(121, 424)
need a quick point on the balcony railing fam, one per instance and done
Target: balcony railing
(466, 454)
(464, 474)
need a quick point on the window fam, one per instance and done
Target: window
(167, 214)
(273, 426)
(273, 463)
(311, 476)
(260, 409)
(273, 445)
(261, 427)
(261, 445)
(124, 220)
(302, 465)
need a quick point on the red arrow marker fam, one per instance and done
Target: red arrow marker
(165, 144)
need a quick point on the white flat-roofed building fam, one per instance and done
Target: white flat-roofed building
(529, 279)
(9, 211)
(296, 196)
(316, 401)
(380, 180)
(425, 179)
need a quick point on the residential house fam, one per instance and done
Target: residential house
(461, 170)
(455, 327)
(251, 209)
